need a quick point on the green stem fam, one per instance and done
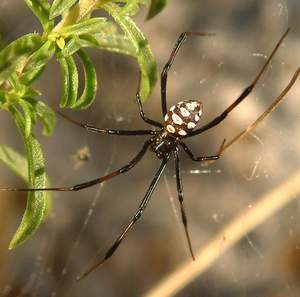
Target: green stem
(79, 12)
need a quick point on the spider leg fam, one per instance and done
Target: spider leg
(90, 183)
(133, 220)
(182, 208)
(91, 128)
(275, 103)
(139, 102)
(205, 158)
(243, 95)
(164, 75)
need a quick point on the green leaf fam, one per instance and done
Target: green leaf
(40, 57)
(115, 43)
(47, 117)
(156, 7)
(28, 117)
(92, 25)
(36, 62)
(110, 42)
(108, 39)
(90, 88)
(45, 114)
(15, 82)
(19, 165)
(31, 92)
(69, 81)
(41, 9)
(143, 54)
(77, 43)
(60, 6)
(30, 76)
(36, 201)
(12, 56)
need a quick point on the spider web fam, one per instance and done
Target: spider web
(263, 263)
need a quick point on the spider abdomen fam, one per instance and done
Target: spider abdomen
(183, 117)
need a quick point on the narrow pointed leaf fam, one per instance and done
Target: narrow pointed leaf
(38, 59)
(19, 165)
(115, 43)
(69, 81)
(45, 114)
(12, 56)
(144, 54)
(36, 201)
(90, 88)
(31, 76)
(110, 42)
(31, 92)
(41, 9)
(92, 25)
(47, 117)
(28, 116)
(156, 7)
(60, 6)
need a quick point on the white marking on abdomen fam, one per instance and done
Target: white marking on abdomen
(177, 119)
(191, 125)
(170, 129)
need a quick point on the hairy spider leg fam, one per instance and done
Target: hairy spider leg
(133, 220)
(90, 183)
(181, 202)
(164, 74)
(243, 95)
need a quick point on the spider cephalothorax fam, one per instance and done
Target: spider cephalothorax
(162, 144)
(183, 117)
(165, 141)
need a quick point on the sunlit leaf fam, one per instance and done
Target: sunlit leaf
(69, 81)
(115, 43)
(36, 62)
(27, 116)
(58, 7)
(45, 114)
(12, 56)
(19, 165)
(110, 42)
(90, 88)
(144, 54)
(36, 201)
(41, 9)
(92, 25)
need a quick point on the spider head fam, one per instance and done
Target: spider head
(183, 117)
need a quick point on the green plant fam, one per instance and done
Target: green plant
(23, 61)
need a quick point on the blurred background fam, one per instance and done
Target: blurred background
(83, 225)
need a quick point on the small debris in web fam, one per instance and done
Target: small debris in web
(81, 156)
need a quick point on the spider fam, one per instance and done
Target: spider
(166, 138)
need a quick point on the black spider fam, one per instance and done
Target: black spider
(166, 139)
